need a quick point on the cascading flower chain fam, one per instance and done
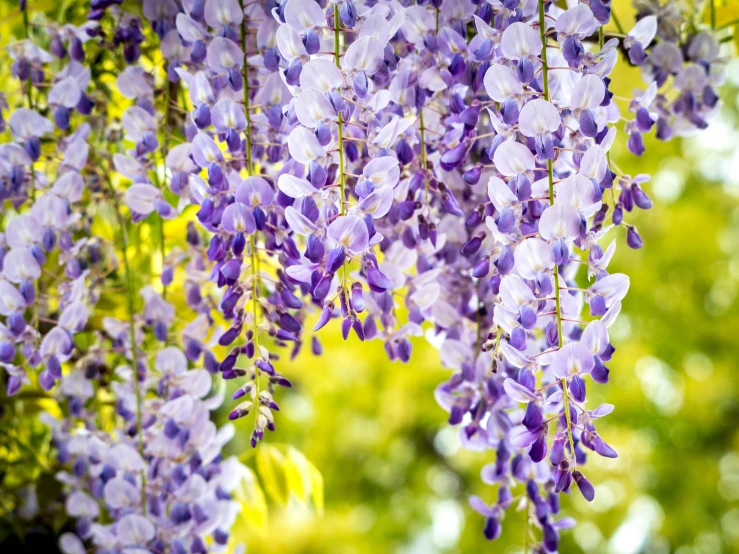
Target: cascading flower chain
(438, 168)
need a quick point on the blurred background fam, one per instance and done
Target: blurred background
(372, 466)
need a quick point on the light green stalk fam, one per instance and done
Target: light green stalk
(132, 331)
(550, 175)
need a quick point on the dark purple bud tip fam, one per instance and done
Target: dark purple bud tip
(633, 239)
(586, 488)
(492, 528)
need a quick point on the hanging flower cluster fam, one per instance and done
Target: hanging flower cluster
(437, 168)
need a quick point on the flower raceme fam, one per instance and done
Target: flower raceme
(333, 160)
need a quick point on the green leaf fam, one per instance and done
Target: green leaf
(311, 480)
(271, 468)
(253, 503)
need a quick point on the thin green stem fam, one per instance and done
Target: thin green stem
(337, 61)
(550, 176)
(132, 331)
(712, 5)
(616, 21)
(245, 73)
(726, 25)
(255, 315)
(601, 41)
(29, 96)
(423, 157)
(544, 64)
(340, 147)
(162, 244)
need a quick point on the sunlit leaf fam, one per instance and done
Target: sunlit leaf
(271, 468)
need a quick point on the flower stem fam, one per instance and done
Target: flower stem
(617, 22)
(255, 315)
(132, 331)
(340, 121)
(29, 96)
(726, 25)
(340, 147)
(550, 175)
(162, 244)
(423, 157)
(249, 166)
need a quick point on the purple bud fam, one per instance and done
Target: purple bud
(472, 176)
(454, 157)
(377, 280)
(46, 380)
(323, 133)
(635, 144)
(485, 50)
(644, 120)
(532, 418)
(361, 84)
(584, 485)
(316, 347)
(470, 115)
(551, 537)
(348, 14)
(538, 450)
(322, 288)
(600, 372)
(637, 56)
(492, 528)
(231, 269)
(633, 239)
(171, 430)
(311, 41)
(271, 59)
(618, 214)
(572, 50)
(230, 335)
(588, 126)
(357, 299)
(16, 323)
(472, 245)
(482, 268)
(61, 118)
(505, 261)
(576, 388)
(335, 260)
(510, 113)
(527, 317)
(640, 197)
(600, 446)
(325, 316)
(506, 220)
(199, 52)
(556, 456)
(57, 48)
(561, 252)
(292, 73)
(525, 70)
(33, 148)
(76, 50)
(7, 352)
(404, 152)
(235, 79)
(28, 291)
